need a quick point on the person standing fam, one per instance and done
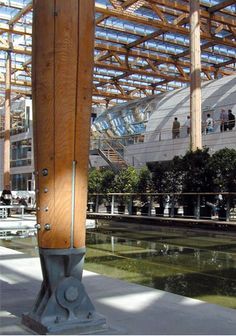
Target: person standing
(188, 124)
(223, 120)
(209, 124)
(175, 128)
(231, 120)
(6, 198)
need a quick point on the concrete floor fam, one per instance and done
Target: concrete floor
(129, 309)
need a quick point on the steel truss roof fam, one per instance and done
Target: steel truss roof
(141, 46)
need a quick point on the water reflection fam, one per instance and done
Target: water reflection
(207, 273)
(198, 273)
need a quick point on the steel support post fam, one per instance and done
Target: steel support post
(62, 303)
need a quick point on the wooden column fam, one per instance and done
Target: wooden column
(195, 74)
(7, 141)
(63, 36)
(62, 91)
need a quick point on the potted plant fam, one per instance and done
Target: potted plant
(100, 182)
(125, 182)
(107, 182)
(144, 186)
(223, 168)
(197, 178)
(158, 185)
(173, 178)
(167, 180)
(94, 187)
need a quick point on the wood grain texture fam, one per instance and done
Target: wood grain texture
(44, 125)
(62, 67)
(84, 103)
(66, 42)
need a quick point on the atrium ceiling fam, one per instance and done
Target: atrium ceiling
(141, 46)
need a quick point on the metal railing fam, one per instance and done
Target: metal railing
(174, 205)
(160, 134)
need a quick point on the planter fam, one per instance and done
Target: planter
(134, 210)
(189, 211)
(222, 214)
(144, 210)
(108, 207)
(175, 211)
(159, 211)
(121, 209)
(205, 212)
(91, 207)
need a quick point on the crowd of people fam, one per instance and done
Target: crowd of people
(226, 121)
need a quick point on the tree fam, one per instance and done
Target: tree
(197, 174)
(223, 167)
(125, 182)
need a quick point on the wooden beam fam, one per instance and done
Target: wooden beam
(223, 64)
(220, 6)
(140, 71)
(176, 5)
(148, 55)
(62, 59)
(21, 13)
(5, 28)
(144, 39)
(166, 27)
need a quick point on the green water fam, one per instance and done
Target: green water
(197, 264)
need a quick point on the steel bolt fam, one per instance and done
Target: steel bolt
(47, 227)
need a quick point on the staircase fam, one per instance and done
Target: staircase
(112, 152)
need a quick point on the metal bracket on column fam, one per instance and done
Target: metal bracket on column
(62, 303)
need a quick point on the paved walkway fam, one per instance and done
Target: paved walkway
(130, 309)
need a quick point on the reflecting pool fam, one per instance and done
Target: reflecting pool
(195, 264)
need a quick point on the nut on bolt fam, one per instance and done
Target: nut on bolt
(47, 227)
(37, 226)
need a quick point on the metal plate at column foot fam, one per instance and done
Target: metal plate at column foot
(96, 325)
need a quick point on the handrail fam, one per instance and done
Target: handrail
(110, 147)
(164, 193)
(185, 205)
(157, 134)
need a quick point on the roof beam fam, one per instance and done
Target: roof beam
(21, 13)
(166, 27)
(150, 56)
(144, 39)
(220, 6)
(141, 72)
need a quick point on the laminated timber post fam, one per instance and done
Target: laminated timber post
(63, 37)
(195, 75)
(7, 124)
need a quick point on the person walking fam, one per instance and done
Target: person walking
(223, 120)
(231, 120)
(175, 128)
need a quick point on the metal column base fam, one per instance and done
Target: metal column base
(62, 304)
